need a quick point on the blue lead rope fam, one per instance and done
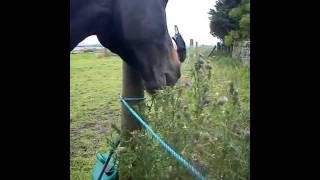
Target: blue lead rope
(132, 99)
(179, 158)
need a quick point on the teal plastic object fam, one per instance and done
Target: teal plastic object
(111, 172)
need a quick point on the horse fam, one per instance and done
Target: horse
(136, 30)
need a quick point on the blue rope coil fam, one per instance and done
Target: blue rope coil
(178, 157)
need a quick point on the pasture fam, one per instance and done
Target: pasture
(202, 117)
(95, 87)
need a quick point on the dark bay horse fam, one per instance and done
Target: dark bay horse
(136, 30)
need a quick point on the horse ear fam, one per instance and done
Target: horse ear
(165, 2)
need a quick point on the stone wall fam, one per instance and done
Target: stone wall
(241, 50)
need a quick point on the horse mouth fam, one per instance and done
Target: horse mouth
(152, 91)
(153, 88)
(168, 81)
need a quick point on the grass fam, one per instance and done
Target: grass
(95, 86)
(212, 133)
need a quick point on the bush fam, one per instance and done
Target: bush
(205, 119)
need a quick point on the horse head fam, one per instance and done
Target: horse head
(135, 30)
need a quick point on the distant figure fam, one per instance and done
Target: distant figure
(181, 45)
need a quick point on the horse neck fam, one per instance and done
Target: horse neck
(87, 18)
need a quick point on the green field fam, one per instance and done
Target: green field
(95, 90)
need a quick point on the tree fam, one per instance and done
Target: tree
(242, 15)
(230, 20)
(220, 21)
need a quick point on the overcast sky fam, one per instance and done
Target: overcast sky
(192, 18)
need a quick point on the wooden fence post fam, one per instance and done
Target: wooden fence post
(191, 43)
(132, 87)
(197, 49)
